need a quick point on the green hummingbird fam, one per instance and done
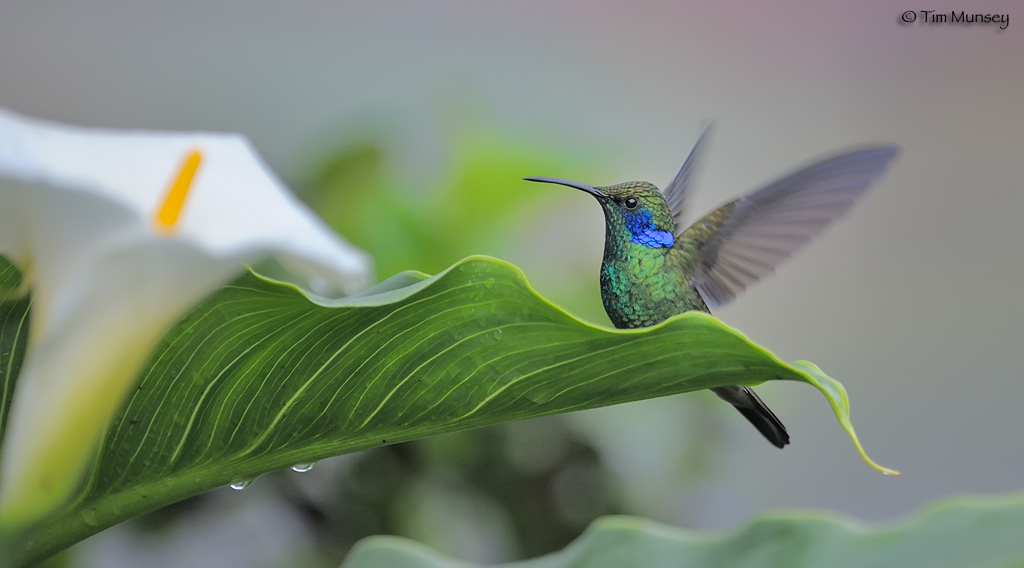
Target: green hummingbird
(653, 269)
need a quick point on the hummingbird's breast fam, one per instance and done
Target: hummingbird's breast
(643, 286)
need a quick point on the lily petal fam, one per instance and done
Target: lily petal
(77, 215)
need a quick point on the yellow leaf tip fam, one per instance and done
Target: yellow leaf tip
(864, 455)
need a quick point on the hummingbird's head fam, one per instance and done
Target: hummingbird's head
(635, 210)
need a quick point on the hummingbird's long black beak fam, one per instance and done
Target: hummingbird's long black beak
(580, 186)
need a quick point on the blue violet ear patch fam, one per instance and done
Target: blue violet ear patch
(654, 239)
(641, 227)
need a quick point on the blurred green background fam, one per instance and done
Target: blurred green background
(408, 127)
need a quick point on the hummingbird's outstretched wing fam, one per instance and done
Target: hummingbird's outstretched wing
(677, 189)
(738, 243)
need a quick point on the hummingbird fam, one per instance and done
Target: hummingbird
(653, 268)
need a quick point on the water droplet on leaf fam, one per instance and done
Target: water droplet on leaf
(240, 485)
(303, 467)
(89, 516)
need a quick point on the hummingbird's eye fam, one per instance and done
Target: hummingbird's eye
(631, 203)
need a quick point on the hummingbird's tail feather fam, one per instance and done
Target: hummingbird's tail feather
(757, 412)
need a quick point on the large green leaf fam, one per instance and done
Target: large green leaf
(13, 334)
(261, 377)
(956, 534)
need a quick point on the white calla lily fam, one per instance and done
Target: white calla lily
(119, 233)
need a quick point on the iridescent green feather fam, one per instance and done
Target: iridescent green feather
(640, 285)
